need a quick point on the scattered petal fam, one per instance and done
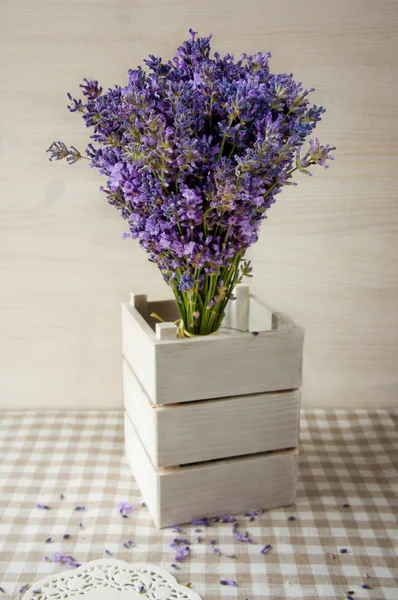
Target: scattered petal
(61, 496)
(177, 529)
(141, 589)
(2, 591)
(176, 566)
(345, 506)
(66, 536)
(48, 540)
(108, 552)
(343, 551)
(240, 537)
(266, 549)
(292, 518)
(201, 521)
(24, 588)
(178, 541)
(198, 539)
(366, 586)
(125, 509)
(80, 508)
(182, 554)
(80, 524)
(330, 555)
(43, 506)
(228, 582)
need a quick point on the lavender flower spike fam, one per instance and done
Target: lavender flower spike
(194, 152)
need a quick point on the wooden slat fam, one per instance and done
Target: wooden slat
(145, 475)
(138, 346)
(228, 365)
(178, 495)
(198, 431)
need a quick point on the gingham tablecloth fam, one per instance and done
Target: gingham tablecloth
(346, 458)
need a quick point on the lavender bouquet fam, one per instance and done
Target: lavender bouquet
(195, 151)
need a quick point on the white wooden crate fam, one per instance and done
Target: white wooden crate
(212, 422)
(179, 494)
(232, 363)
(176, 434)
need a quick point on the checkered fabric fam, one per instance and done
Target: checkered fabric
(346, 458)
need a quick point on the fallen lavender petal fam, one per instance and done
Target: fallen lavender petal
(240, 537)
(141, 589)
(345, 506)
(61, 496)
(201, 521)
(225, 519)
(36, 592)
(48, 540)
(43, 506)
(230, 555)
(177, 529)
(24, 588)
(175, 566)
(366, 586)
(291, 518)
(182, 554)
(2, 590)
(228, 582)
(131, 544)
(125, 545)
(178, 541)
(108, 552)
(343, 551)
(198, 531)
(215, 550)
(66, 536)
(66, 560)
(266, 549)
(125, 508)
(80, 508)
(198, 539)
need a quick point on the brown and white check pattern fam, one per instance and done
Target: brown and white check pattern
(346, 457)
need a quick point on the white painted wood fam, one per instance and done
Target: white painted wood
(208, 489)
(234, 363)
(143, 471)
(198, 431)
(138, 347)
(240, 308)
(140, 303)
(166, 331)
(141, 413)
(228, 365)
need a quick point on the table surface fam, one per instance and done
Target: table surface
(347, 458)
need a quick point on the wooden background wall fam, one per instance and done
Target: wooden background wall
(328, 254)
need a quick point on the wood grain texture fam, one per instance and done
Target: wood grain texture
(199, 431)
(138, 347)
(235, 362)
(232, 486)
(233, 365)
(327, 254)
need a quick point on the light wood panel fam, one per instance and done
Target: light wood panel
(192, 432)
(327, 255)
(229, 486)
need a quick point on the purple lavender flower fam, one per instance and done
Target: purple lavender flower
(240, 536)
(182, 554)
(125, 508)
(201, 521)
(178, 541)
(266, 549)
(194, 152)
(228, 582)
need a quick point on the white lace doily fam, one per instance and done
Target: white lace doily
(111, 580)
